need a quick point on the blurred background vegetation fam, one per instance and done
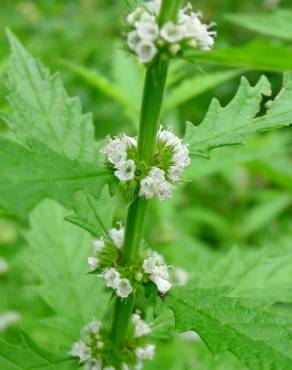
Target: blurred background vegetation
(240, 197)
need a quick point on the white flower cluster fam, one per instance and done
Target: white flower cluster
(109, 274)
(160, 182)
(113, 280)
(90, 349)
(85, 349)
(116, 151)
(155, 266)
(144, 353)
(146, 38)
(157, 180)
(141, 328)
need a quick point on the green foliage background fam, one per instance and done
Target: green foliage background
(229, 226)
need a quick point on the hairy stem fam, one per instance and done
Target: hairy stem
(149, 120)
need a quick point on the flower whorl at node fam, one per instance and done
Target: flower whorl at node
(170, 159)
(146, 38)
(104, 258)
(95, 352)
(89, 348)
(106, 253)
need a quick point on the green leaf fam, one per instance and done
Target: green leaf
(195, 86)
(275, 24)
(261, 273)
(231, 124)
(41, 108)
(57, 254)
(30, 175)
(27, 356)
(260, 339)
(92, 214)
(254, 55)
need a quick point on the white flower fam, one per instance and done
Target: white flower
(93, 263)
(117, 236)
(93, 364)
(125, 170)
(165, 190)
(147, 188)
(169, 137)
(162, 284)
(98, 245)
(131, 141)
(125, 367)
(196, 30)
(145, 353)
(81, 350)
(153, 6)
(133, 40)
(92, 327)
(175, 173)
(147, 30)
(162, 271)
(146, 51)
(111, 277)
(8, 318)
(148, 185)
(172, 32)
(4, 267)
(181, 156)
(141, 328)
(135, 16)
(157, 175)
(123, 288)
(155, 266)
(115, 150)
(151, 263)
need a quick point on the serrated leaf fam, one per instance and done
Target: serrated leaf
(27, 356)
(281, 21)
(257, 55)
(42, 110)
(57, 254)
(231, 124)
(93, 214)
(260, 339)
(29, 175)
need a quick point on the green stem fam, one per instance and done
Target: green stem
(149, 121)
(169, 10)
